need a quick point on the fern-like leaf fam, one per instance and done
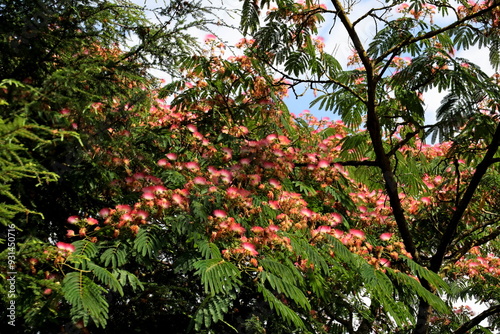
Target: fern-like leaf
(281, 309)
(213, 309)
(437, 303)
(116, 256)
(106, 277)
(86, 298)
(428, 275)
(146, 242)
(124, 276)
(217, 275)
(85, 251)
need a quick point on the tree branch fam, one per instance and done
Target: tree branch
(477, 320)
(463, 250)
(374, 128)
(369, 13)
(451, 229)
(358, 45)
(312, 81)
(430, 34)
(403, 142)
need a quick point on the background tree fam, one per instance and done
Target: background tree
(220, 212)
(383, 95)
(71, 82)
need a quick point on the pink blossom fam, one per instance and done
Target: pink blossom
(235, 192)
(226, 175)
(199, 136)
(257, 229)
(284, 140)
(337, 233)
(250, 248)
(192, 128)
(402, 7)
(123, 208)
(273, 228)
(243, 130)
(275, 183)
(385, 236)
(274, 205)
(104, 212)
(142, 214)
(357, 233)
(426, 200)
(126, 217)
(65, 246)
(139, 176)
(209, 38)
(321, 229)
(220, 213)
(254, 179)
(171, 156)
(323, 164)
(159, 189)
(73, 219)
(177, 199)
(163, 203)
(148, 196)
(192, 165)
(271, 137)
(92, 221)
(237, 228)
(337, 218)
(385, 262)
(200, 180)
(162, 162)
(306, 212)
(228, 152)
(268, 165)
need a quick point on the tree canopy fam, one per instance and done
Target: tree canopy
(201, 204)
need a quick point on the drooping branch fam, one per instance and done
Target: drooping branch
(464, 202)
(433, 33)
(477, 320)
(409, 136)
(370, 13)
(314, 81)
(475, 243)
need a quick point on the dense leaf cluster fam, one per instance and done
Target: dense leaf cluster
(203, 205)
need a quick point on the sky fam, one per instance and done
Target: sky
(337, 43)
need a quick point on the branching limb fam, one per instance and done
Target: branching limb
(464, 202)
(397, 48)
(374, 128)
(477, 320)
(313, 81)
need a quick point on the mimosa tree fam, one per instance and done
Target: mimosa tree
(204, 205)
